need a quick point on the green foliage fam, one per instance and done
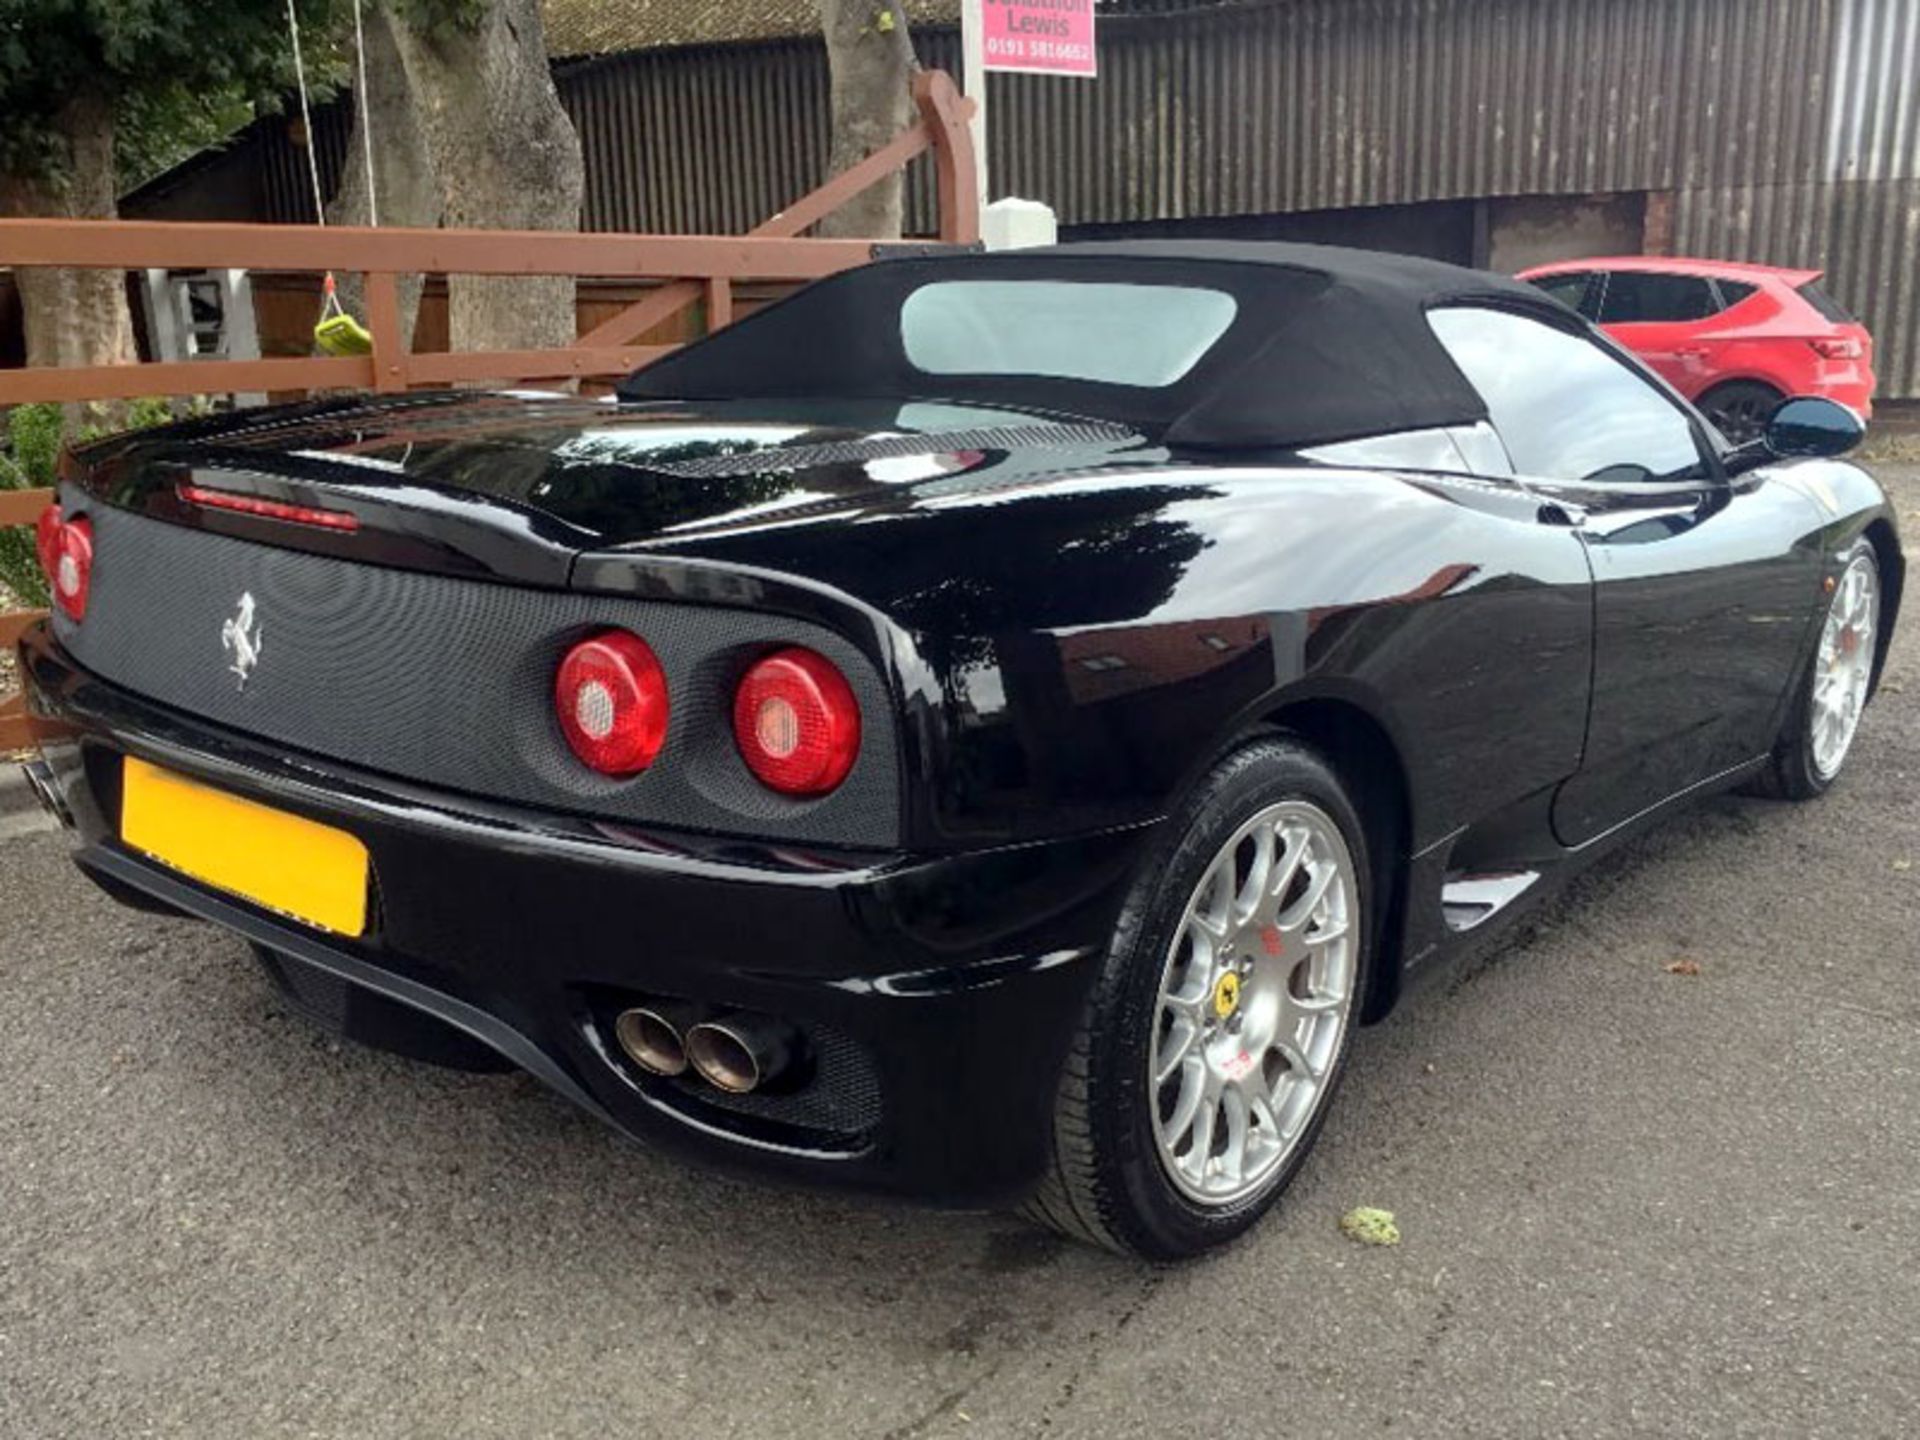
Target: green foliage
(27, 463)
(175, 74)
(156, 131)
(33, 445)
(179, 76)
(30, 460)
(152, 410)
(20, 568)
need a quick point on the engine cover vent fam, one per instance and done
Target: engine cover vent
(779, 461)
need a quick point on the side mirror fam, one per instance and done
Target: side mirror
(1807, 425)
(1810, 425)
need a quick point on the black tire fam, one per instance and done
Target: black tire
(1106, 1184)
(1740, 409)
(1791, 773)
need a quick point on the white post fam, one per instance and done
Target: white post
(973, 84)
(239, 328)
(1010, 223)
(163, 317)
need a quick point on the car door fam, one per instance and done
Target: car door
(1666, 321)
(1702, 586)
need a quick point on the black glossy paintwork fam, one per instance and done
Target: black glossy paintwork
(511, 487)
(1072, 633)
(1702, 607)
(509, 919)
(1069, 628)
(1077, 666)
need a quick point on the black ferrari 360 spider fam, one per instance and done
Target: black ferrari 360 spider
(985, 728)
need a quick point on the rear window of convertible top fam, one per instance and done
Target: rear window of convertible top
(1146, 336)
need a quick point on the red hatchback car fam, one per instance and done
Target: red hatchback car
(1734, 339)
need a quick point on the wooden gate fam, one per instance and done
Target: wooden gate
(687, 268)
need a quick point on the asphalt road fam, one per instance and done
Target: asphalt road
(1634, 1202)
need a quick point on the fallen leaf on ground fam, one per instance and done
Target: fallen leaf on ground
(1903, 865)
(1683, 967)
(1368, 1226)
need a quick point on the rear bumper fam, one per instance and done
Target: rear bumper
(1848, 383)
(939, 992)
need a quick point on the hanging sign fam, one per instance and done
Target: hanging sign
(1039, 37)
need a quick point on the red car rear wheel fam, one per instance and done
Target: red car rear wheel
(1740, 409)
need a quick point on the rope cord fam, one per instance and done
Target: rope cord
(366, 113)
(306, 115)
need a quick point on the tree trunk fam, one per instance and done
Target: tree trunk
(507, 158)
(75, 317)
(870, 57)
(407, 191)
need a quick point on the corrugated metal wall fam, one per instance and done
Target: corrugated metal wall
(1857, 215)
(1787, 129)
(1327, 104)
(708, 140)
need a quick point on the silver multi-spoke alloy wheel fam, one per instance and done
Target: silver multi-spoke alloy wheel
(1843, 670)
(1255, 998)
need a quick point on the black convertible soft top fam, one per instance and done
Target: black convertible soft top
(1325, 344)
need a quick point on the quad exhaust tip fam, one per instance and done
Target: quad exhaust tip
(737, 1053)
(740, 1053)
(46, 790)
(652, 1040)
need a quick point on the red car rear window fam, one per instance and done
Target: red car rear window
(1732, 292)
(1815, 294)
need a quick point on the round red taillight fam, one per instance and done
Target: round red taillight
(796, 723)
(46, 539)
(611, 697)
(73, 567)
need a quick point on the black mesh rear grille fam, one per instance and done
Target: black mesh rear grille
(322, 995)
(449, 681)
(840, 1098)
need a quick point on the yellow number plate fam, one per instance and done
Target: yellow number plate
(308, 871)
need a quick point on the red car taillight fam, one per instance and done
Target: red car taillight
(66, 554)
(796, 723)
(611, 698)
(1839, 347)
(46, 539)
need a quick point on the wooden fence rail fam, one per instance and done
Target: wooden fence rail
(689, 269)
(692, 267)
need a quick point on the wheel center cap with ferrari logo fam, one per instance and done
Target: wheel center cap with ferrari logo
(1226, 995)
